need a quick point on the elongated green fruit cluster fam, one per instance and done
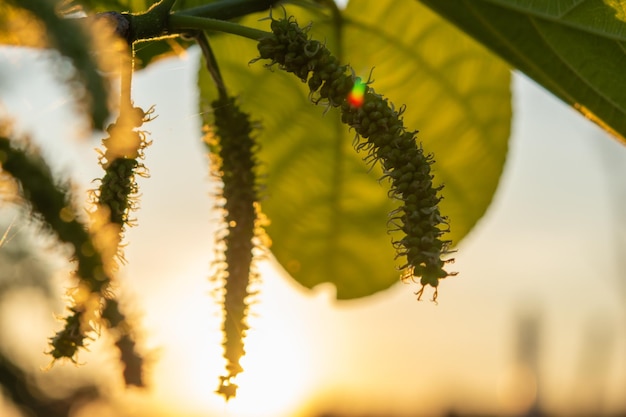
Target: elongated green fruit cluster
(383, 135)
(291, 48)
(123, 149)
(117, 188)
(114, 200)
(235, 147)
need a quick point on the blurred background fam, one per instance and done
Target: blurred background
(534, 324)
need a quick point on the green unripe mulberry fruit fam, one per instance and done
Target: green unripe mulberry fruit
(383, 136)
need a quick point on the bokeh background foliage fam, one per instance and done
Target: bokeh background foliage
(328, 210)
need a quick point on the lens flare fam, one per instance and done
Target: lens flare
(356, 96)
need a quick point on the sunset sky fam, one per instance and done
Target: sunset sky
(546, 247)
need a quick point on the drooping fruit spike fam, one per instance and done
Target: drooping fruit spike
(233, 143)
(383, 136)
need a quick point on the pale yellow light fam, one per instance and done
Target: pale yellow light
(277, 371)
(620, 8)
(278, 374)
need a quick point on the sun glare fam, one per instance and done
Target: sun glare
(278, 374)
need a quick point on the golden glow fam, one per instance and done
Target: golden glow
(278, 373)
(591, 116)
(112, 56)
(20, 28)
(620, 8)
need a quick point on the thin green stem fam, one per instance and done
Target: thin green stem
(180, 23)
(211, 64)
(229, 9)
(126, 79)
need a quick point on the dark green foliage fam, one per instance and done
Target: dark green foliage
(384, 136)
(236, 153)
(574, 49)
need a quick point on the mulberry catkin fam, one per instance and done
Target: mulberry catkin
(237, 163)
(113, 201)
(386, 140)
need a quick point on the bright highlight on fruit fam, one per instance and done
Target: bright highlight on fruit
(357, 94)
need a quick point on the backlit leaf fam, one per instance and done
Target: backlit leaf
(328, 210)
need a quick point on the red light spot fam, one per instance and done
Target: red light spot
(357, 95)
(355, 100)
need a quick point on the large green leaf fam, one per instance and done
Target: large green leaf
(574, 48)
(328, 209)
